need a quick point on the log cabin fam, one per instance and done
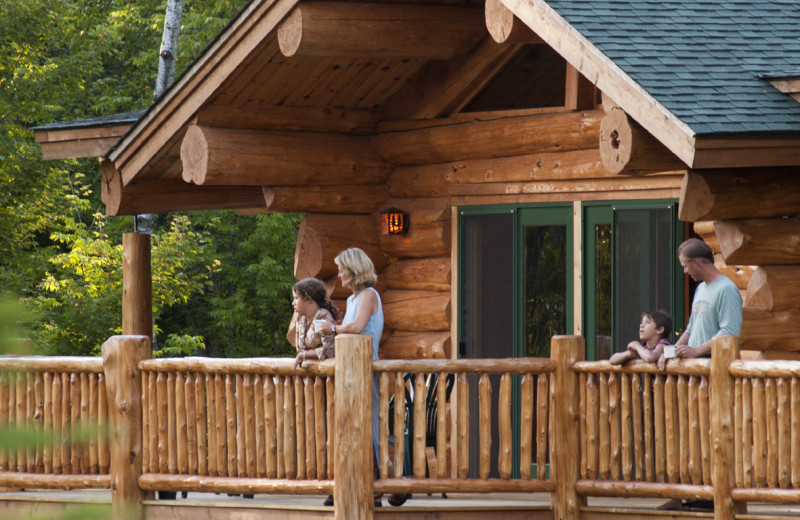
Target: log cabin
(547, 155)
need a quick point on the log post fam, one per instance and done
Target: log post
(121, 356)
(137, 306)
(353, 479)
(564, 455)
(724, 349)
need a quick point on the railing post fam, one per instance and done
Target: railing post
(353, 479)
(121, 356)
(724, 349)
(137, 305)
(564, 441)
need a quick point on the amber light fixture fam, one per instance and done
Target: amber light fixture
(394, 222)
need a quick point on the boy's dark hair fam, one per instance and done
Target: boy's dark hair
(661, 319)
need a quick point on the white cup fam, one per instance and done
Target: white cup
(318, 325)
(669, 352)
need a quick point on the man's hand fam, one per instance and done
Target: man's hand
(685, 351)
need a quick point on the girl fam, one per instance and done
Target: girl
(311, 303)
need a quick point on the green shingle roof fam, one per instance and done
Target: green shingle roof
(702, 60)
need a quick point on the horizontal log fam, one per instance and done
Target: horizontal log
(263, 158)
(643, 489)
(335, 291)
(618, 184)
(760, 241)
(354, 199)
(765, 368)
(321, 238)
(417, 311)
(491, 485)
(682, 367)
(429, 231)
(467, 366)
(504, 27)
(162, 482)
(478, 139)
(423, 274)
(739, 274)
(362, 30)
(416, 345)
(93, 365)
(204, 365)
(772, 496)
(159, 196)
(739, 193)
(628, 149)
(706, 231)
(774, 288)
(40, 481)
(283, 118)
(766, 330)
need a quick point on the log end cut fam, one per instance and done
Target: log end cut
(696, 198)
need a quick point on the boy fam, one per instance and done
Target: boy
(653, 331)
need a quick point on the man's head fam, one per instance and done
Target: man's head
(697, 260)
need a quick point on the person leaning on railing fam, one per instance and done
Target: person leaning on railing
(716, 310)
(364, 315)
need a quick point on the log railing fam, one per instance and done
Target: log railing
(445, 474)
(60, 404)
(236, 425)
(767, 430)
(645, 432)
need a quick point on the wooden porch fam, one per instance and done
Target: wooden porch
(619, 440)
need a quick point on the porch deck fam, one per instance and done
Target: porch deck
(460, 506)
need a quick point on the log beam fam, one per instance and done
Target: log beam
(767, 241)
(152, 196)
(416, 311)
(291, 118)
(422, 274)
(739, 193)
(766, 330)
(345, 29)
(774, 288)
(504, 27)
(626, 148)
(321, 237)
(477, 139)
(260, 158)
(352, 199)
(416, 345)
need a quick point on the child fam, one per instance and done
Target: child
(311, 303)
(653, 331)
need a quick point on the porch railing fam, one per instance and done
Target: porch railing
(724, 429)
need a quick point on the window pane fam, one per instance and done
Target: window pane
(643, 253)
(545, 285)
(602, 289)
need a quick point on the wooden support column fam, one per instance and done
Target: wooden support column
(121, 356)
(137, 305)
(353, 480)
(564, 449)
(379, 30)
(724, 350)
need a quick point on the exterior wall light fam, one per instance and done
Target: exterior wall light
(394, 222)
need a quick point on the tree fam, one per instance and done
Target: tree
(65, 60)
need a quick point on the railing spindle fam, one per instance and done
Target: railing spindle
(784, 433)
(319, 427)
(671, 428)
(592, 440)
(485, 425)
(419, 427)
(705, 428)
(241, 427)
(203, 435)
(526, 426)
(441, 424)
(260, 417)
(271, 427)
(771, 404)
(47, 423)
(543, 411)
(399, 424)
(638, 427)
(747, 432)
(221, 425)
(463, 426)
(289, 429)
(626, 425)
(300, 426)
(794, 441)
(172, 426)
(383, 426)
(659, 424)
(189, 392)
(181, 427)
(504, 426)
(75, 421)
(94, 464)
(694, 462)
(604, 428)
(759, 434)
(582, 434)
(280, 428)
(248, 402)
(310, 429)
(614, 456)
(231, 438)
(683, 429)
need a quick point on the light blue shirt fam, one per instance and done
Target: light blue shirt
(716, 310)
(375, 324)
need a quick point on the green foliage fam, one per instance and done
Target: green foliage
(221, 283)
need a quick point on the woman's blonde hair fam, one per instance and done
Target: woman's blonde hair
(360, 266)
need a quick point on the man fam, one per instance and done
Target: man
(716, 307)
(716, 310)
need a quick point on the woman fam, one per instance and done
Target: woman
(311, 304)
(364, 315)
